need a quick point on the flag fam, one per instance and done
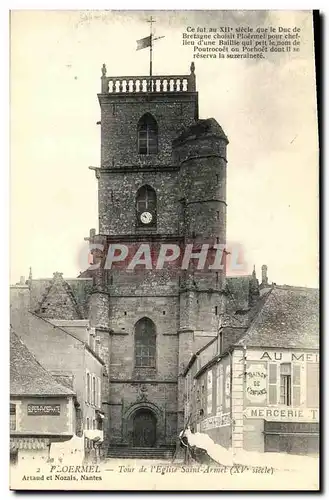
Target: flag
(144, 42)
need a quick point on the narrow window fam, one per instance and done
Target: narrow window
(87, 424)
(12, 417)
(99, 393)
(147, 135)
(216, 310)
(93, 401)
(285, 384)
(145, 343)
(88, 388)
(217, 214)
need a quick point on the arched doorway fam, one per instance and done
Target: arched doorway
(144, 428)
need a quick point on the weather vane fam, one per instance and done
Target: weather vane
(148, 42)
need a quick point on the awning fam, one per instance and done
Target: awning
(30, 443)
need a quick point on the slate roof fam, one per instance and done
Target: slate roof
(238, 293)
(200, 128)
(289, 318)
(27, 376)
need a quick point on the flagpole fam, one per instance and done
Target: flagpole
(151, 46)
(151, 21)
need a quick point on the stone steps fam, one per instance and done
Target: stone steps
(146, 453)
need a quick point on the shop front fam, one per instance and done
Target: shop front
(281, 401)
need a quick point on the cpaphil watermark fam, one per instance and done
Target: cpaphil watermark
(139, 256)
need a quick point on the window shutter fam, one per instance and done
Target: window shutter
(93, 394)
(312, 385)
(272, 383)
(87, 384)
(209, 392)
(296, 376)
(228, 386)
(99, 393)
(219, 388)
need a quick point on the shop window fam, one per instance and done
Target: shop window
(12, 417)
(285, 384)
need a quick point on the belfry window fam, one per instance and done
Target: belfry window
(145, 343)
(147, 135)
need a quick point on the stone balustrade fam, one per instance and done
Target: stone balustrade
(143, 84)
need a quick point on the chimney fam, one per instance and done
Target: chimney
(264, 275)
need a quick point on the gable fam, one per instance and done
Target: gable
(58, 301)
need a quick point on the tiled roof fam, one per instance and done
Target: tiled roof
(27, 376)
(288, 319)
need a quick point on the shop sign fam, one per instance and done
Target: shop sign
(283, 414)
(256, 383)
(215, 422)
(283, 356)
(43, 409)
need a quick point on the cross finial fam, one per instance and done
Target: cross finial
(151, 20)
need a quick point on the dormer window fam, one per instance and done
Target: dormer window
(147, 135)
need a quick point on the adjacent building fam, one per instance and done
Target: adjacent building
(42, 411)
(261, 392)
(67, 347)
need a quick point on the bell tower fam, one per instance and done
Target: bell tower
(161, 180)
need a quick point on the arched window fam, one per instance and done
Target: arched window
(146, 201)
(145, 343)
(147, 135)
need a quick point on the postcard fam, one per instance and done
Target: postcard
(164, 305)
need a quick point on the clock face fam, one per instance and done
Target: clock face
(146, 217)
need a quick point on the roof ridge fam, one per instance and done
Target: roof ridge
(56, 326)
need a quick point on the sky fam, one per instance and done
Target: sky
(266, 107)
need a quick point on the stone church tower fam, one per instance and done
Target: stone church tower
(161, 180)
